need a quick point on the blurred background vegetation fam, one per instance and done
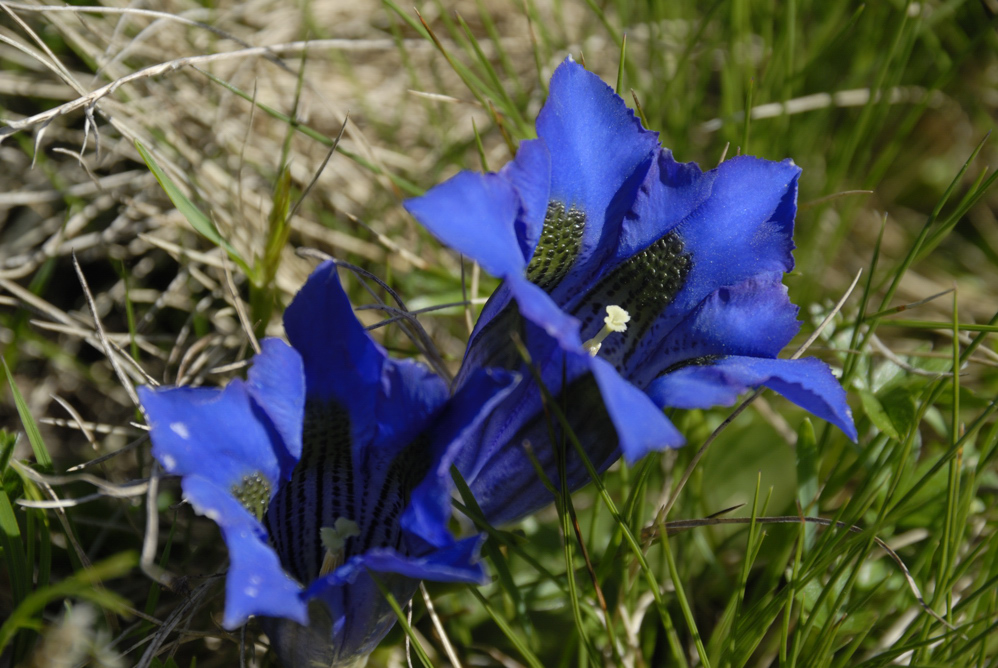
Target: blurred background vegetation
(886, 106)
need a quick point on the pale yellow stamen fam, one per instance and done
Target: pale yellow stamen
(615, 321)
(334, 539)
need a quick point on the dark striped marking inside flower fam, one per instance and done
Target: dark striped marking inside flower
(386, 497)
(320, 490)
(253, 493)
(558, 247)
(643, 285)
(324, 488)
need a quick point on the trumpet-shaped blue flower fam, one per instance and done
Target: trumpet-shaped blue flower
(636, 282)
(330, 463)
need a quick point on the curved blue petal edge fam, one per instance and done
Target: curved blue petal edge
(333, 345)
(476, 215)
(276, 381)
(256, 583)
(430, 504)
(641, 425)
(744, 228)
(243, 442)
(538, 307)
(808, 382)
(457, 563)
(599, 151)
(530, 174)
(407, 398)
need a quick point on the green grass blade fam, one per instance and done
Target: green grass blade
(403, 621)
(79, 585)
(525, 652)
(198, 220)
(13, 550)
(684, 603)
(30, 426)
(495, 556)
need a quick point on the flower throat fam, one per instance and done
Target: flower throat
(321, 517)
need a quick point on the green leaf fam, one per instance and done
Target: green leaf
(13, 549)
(7, 442)
(278, 225)
(84, 584)
(198, 220)
(30, 427)
(875, 411)
(899, 406)
(807, 464)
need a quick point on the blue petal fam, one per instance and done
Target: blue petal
(744, 228)
(255, 584)
(457, 562)
(599, 153)
(641, 425)
(499, 472)
(670, 193)
(357, 615)
(408, 397)
(490, 345)
(430, 504)
(754, 318)
(341, 360)
(475, 214)
(538, 307)
(277, 382)
(221, 435)
(809, 383)
(530, 175)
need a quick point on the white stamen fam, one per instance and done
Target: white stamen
(334, 539)
(615, 321)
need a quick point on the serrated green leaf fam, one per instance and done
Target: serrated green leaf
(198, 220)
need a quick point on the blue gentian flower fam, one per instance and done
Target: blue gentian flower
(636, 282)
(329, 463)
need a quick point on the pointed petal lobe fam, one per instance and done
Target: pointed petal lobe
(256, 584)
(641, 425)
(188, 422)
(808, 382)
(277, 382)
(341, 360)
(475, 214)
(599, 152)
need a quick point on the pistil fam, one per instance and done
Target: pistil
(615, 321)
(334, 540)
